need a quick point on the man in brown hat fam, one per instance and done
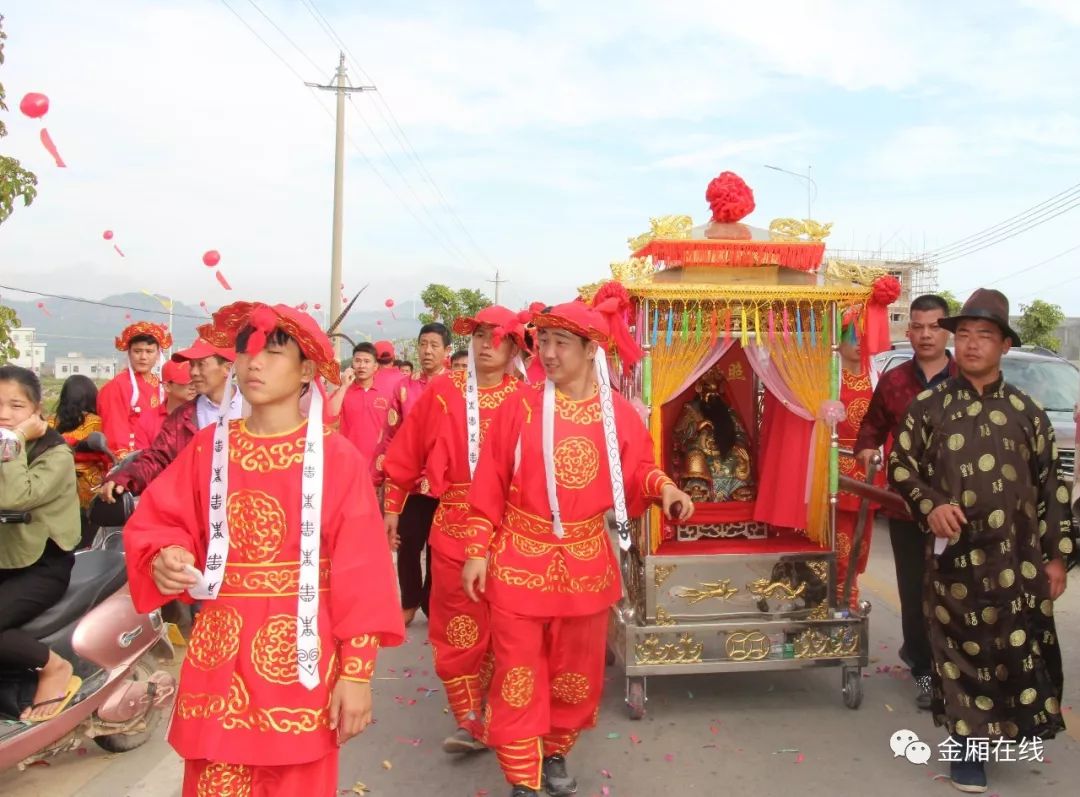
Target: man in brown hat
(976, 460)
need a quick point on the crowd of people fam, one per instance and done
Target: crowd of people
(469, 471)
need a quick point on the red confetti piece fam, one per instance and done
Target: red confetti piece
(800, 758)
(714, 730)
(634, 739)
(46, 139)
(669, 757)
(605, 791)
(605, 774)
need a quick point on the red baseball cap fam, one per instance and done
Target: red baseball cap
(176, 373)
(384, 350)
(201, 349)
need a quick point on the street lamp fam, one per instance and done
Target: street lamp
(811, 186)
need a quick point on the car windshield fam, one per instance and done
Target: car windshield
(1055, 385)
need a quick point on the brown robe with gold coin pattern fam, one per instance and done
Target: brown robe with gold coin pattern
(997, 665)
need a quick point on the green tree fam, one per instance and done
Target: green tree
(8, 321)
(446, 304)
(15, 181)
(1038, 322)
(954, 303)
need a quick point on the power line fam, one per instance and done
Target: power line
(395, 127)
(285, 35)
(99, 304)
(1022, 218)
(1032, 268)
(1006, 235)
(367, 161)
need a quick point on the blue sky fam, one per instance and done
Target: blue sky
(555, 130)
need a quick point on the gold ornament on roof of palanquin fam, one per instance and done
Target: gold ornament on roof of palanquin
(854, 272)
(662, 227)
(798, 230)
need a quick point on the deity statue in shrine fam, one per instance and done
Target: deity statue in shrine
(712, 449)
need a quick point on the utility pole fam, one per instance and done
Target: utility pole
(341, 88)
(497, 283)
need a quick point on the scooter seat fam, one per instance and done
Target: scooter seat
(95, 576)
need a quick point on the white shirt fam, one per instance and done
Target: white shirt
(206, 411)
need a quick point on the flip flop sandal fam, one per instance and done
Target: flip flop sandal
(74, 685)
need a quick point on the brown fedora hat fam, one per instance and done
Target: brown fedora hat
(987, 304)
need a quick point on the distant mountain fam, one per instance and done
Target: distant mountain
(89, 328)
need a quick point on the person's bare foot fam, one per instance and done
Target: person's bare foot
(53, 680)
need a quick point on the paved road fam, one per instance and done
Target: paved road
(704, 735)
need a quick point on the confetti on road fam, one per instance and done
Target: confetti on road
(785, 750)
(613, 736)
(634, 739)
(888, 707)
(800, 758)
(714, 730)
(669, 757)
(387, 765)
(359, 788)
(605, 774)
(605, 791)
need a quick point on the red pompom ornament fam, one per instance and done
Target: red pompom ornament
(886, 290)
(729, 197)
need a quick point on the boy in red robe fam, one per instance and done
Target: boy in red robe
(856, 391)
(443, 439)
(539, 550)
(288, 558)
(128, 395)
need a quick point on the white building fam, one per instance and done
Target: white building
(98, 368)
(31, 350)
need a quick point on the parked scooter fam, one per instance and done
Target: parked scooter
(114, 649)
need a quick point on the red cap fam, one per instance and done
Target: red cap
(384, 351)
(505, 322)
(176, 373)
(604, 321)
(201, 349)
(264, 319)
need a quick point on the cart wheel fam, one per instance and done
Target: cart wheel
(852, 687)
(609, 657)
(635, 697)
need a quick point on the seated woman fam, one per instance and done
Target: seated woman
(712, 449)
(36, 557)
(76, 418)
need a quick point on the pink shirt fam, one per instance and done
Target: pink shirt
(367, 418)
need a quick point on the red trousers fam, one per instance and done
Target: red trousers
(845, 539)
(204, 778)
(460, 634)
(549, 675)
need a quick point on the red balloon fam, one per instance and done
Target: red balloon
(303, 306)
(127, 316)
(107, 235)
(202, 304)
(211, 258)
(389, 302)
(318, 307)
(34, 105)
(40, 305)
(379, 322)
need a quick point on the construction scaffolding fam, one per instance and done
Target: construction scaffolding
(917, 275)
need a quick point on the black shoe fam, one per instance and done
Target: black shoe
(968, 776)
(524, 791)
(924, 697)
(557, 781)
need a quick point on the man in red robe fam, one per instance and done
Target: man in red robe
(136, 390)
(443, 439)
(856, 391)
(363, 406)
(286, 554)
(414, 527)
(539, 551)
